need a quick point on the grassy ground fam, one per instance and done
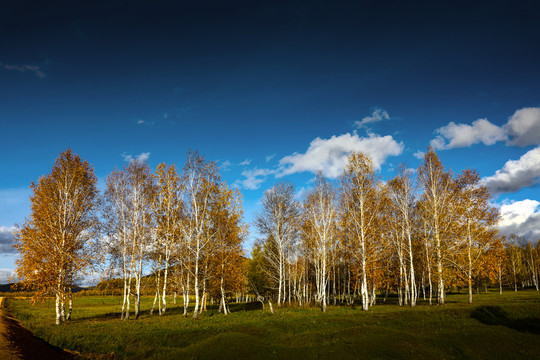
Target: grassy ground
(495, 327)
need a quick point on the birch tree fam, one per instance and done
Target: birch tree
(515, 264)
(130, 195)
(200, 183)
(226, 250)
(320, 216)
(402, 194)
(116, 214)
(278, 221)
(141, 198)
(55, 244)
(436, 199)
(168, 212)
(477, 219)
(361, 205)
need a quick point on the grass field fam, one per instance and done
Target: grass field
(495, 327)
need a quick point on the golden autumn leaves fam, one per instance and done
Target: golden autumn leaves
(344, 241)
(188, 224)
(349, 240)
(55, 242)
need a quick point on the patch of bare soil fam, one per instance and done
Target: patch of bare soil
(17, 342)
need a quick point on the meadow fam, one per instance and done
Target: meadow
(494, 327)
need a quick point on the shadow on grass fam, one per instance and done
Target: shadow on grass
(495, 315)
(173, 310)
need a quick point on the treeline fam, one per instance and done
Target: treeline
(418, 234)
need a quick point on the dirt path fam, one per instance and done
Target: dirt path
(16, 342)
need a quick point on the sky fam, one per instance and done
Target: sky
(272, 91)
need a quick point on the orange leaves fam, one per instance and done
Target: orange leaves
(53, 241)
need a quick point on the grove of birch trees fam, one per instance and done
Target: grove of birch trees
(181, 232)
(420, 234)
(187, 227)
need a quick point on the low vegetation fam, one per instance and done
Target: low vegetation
(495, 327)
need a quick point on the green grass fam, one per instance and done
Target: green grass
(494, 327)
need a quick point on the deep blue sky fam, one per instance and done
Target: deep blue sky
(246, 80)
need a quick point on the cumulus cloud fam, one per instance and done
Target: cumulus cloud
(24, 68)
(516, 174)
(521, 218)
(524, 127)
(463, 135)
(376, 116)
(419, 154)
(330, 155)
(254, 178)
(245, 162)
(6, 240)
(143, 157)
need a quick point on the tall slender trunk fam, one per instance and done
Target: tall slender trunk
(59, 299)
(185, 291)
(280, 286)
(440, 284)
(165, 278)
(323, 278)
(500, 280)
(137, 296)
(138, 279)
(125, 302)
(70, 295)
(469, 256)
(157, 296)
(63, 305)
(365, 296)
(224, 298)
(204, 295)
(414, 292)
(58, 308)
(196, 281)
(514, 273)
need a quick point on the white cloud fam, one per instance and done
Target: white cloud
(254, 178)
(269, 157)
(140, 121)
(524, 127)
(463, 135)
(521, 218)
(226, 165)
(245, 162)
(6, 240)
(516, 174)
(24, 68)
(376, 116)
(330, 155)
(419, 154)
(5, 275)
(143, 157)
